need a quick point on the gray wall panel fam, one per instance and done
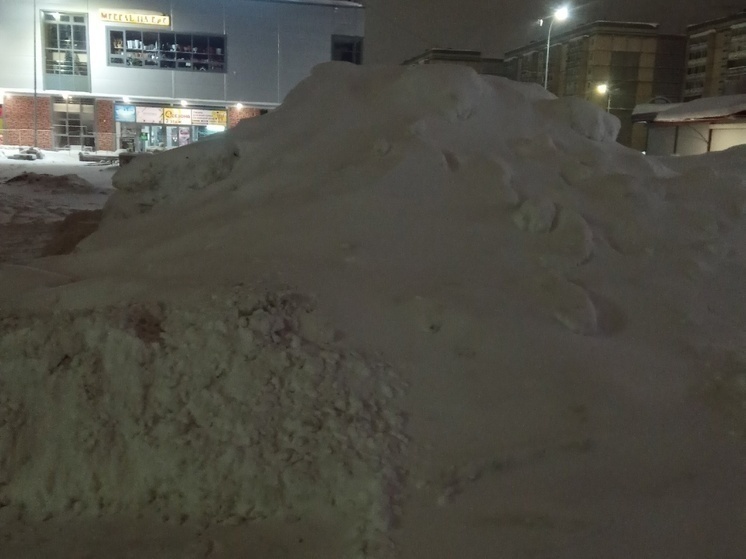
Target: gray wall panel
(198, 85)
(270, 46)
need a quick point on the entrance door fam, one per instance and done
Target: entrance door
(155, 138)
(185, 135)
(172, 137)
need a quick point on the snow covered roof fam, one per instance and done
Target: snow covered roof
(704, 109)
(646, 112)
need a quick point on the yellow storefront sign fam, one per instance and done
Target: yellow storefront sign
(139, 19)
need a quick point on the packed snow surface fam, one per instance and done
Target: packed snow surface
(429, 313)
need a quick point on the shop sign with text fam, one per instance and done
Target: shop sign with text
(113, 16)
(206, 117)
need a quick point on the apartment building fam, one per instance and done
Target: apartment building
(716, 57)
(633, 60)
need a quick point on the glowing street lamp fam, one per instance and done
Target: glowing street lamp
(560, 14)
(604, 89)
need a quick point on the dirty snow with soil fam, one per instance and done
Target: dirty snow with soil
(413, 312)
(37, 196)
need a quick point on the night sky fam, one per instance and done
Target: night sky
(400, 29)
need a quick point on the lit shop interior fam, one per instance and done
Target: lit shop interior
(149, 128)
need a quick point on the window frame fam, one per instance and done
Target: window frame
(71, 56)
(187, 58)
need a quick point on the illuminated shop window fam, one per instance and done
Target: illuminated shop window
(166, 50)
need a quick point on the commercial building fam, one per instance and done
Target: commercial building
(150, 74)
(633, 60)
(716, 57)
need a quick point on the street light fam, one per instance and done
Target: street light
(560, 14)
(604, 89)
(36, 118)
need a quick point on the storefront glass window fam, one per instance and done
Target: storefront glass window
(65, 44)
(153, 128)
(73, 122)
(178, 51)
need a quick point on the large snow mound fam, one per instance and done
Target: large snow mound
(370, 118)
(551, 300)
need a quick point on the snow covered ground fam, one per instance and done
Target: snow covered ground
(36, 196)
(414, 312)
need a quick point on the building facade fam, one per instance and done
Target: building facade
(634, 61)
(716, 57)
(150, 74)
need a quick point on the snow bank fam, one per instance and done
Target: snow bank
(233, 410)
(552, 301)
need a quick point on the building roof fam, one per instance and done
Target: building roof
(716, 23)
(707, 108)
(646, 112)
(594, 27)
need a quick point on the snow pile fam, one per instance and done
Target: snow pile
(563, 312)
(45, 213)
(27, 154)
(237, 409)
(29, 196)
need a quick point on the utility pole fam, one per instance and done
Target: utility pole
(36, 123)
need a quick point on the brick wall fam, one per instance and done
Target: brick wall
(105, 125)
(235, 115)
(18, 116)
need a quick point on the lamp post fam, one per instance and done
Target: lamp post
(604, 89)
(560, 14)
(36, 123)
